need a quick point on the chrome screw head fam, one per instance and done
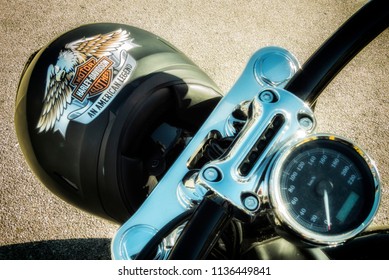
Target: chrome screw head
(306, 123)
(266, 97)
(251, 202)
(211, 174)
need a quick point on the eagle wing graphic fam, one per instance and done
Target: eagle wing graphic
(99, 45)
(57, 95)
(58, 91)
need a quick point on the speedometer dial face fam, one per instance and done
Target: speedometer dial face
(325, 190)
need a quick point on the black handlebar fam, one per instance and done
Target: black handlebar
(202, 230)
(319, 70)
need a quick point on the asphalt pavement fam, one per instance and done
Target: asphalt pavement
(219, 36)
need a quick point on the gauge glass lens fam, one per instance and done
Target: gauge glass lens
(327, 187)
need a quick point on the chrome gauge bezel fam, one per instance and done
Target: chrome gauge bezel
(282, 216)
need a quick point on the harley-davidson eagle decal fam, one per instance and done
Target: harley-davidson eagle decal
(86, 78)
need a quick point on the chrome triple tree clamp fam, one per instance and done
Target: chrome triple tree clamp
(144, 224)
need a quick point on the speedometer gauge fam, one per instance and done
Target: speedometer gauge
(324, 189)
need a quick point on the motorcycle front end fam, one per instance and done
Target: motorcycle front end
(118, 122)
(257, 181)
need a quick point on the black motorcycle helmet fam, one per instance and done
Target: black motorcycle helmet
(104, 110)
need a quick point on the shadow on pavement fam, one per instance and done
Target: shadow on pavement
(67, 249)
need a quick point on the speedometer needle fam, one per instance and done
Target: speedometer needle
(327, 209)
